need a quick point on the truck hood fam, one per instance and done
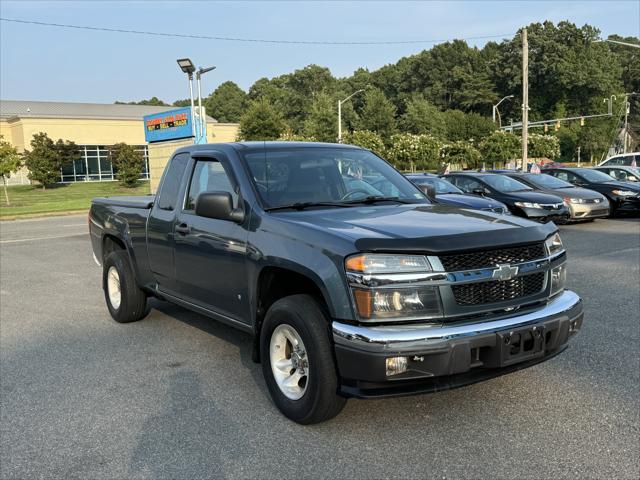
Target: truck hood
(420, 227)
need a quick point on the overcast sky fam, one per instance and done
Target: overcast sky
(48, 63)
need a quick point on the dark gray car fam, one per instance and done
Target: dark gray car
(584, 204)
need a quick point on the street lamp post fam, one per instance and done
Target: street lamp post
(496, 111)
(186, 65)
(340, 102)
(202, 132)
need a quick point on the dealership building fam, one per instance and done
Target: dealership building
(94, 127)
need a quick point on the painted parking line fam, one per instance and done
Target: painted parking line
(33, 239)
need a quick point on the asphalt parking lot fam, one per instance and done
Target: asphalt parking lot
(177, 395)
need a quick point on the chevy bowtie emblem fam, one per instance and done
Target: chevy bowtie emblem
(504, 272)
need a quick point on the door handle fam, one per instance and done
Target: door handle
(183, 229)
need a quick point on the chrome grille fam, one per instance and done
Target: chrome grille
(492, 258)
(498, 291)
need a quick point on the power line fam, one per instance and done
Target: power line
(238, 39)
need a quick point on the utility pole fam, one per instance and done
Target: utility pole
(627, 106)
(525, 97)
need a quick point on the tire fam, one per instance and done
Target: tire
(132, 304)
(319, 401)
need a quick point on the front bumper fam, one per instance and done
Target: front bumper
(545, 215)
(442, 357)
(583, 211)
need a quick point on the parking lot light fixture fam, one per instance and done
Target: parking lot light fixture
(202, 127)
(495, 109)
(187, 66)
(340, 102)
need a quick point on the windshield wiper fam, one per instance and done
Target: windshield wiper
(303, 205)
(376, 199)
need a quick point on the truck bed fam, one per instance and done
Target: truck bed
(140, 201)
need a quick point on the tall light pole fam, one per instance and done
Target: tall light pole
(202, 132)
(626, 44)
(627, 108)
(186, 65)
(525, 98)
(495, 110)
(340, 102)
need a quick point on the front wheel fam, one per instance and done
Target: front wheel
(297, 360)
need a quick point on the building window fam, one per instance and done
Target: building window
(95, 165)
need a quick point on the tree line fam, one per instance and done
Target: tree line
(447, 92)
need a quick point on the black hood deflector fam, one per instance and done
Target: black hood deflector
(458, 243)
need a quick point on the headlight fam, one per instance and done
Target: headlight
(624, 193)
(554, 244)
(396, 299)
(527, 205)
(558, 278)
(576, 200)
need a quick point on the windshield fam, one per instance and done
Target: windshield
(441, 186)
(547, 181)
(295, 176)
(595, 175)
(504, 184)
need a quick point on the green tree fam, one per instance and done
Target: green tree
(366, 139)
(128, 163)
(543, 146)
(186, 102)
(461, 153)
(261, 121)
(153, 101)
(46, 157)
(422, 117)
(9, 162)
(500, 146)
(420, 151)
(378, 114)
(471, 127)
(321, 122)
(227, 103)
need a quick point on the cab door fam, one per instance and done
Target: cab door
(160, 226)
(210, 254)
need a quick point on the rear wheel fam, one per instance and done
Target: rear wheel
(297, 360)
(125, 300)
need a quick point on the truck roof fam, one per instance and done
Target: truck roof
(262, 146)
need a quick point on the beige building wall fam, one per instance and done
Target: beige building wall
(99, 131)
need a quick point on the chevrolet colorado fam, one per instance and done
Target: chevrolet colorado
(350, 281)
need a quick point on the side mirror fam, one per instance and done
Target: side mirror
(478, 191)
(429, 190)
(218, 205)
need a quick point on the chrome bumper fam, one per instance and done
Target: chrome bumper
(566, 308)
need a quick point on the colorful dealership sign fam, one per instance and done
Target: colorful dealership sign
(169, 125)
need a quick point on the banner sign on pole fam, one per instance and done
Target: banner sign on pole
(169, 125)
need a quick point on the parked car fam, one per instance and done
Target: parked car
(448, 194)
(622, 174)
(345, 294)
(622, 159)
(584, 204)
(521, 199)
(623, 196)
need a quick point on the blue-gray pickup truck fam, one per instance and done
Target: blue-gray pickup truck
(351, 283)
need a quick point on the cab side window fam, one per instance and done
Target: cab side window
(172, 180)
(208, 176)
(566, 176)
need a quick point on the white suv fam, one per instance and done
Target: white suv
(625, 159)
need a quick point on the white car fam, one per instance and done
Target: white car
(622, 159)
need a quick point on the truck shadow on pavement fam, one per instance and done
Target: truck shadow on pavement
(177, 442)
(219, 330)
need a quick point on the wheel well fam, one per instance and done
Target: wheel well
(111, 244)
(275, 283)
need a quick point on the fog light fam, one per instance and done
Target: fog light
(396, 365)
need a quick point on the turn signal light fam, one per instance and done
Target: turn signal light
(396, 365)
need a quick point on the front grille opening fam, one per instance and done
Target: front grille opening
(498, 291)
(492, 258)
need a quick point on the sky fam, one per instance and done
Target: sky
(54, 64)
